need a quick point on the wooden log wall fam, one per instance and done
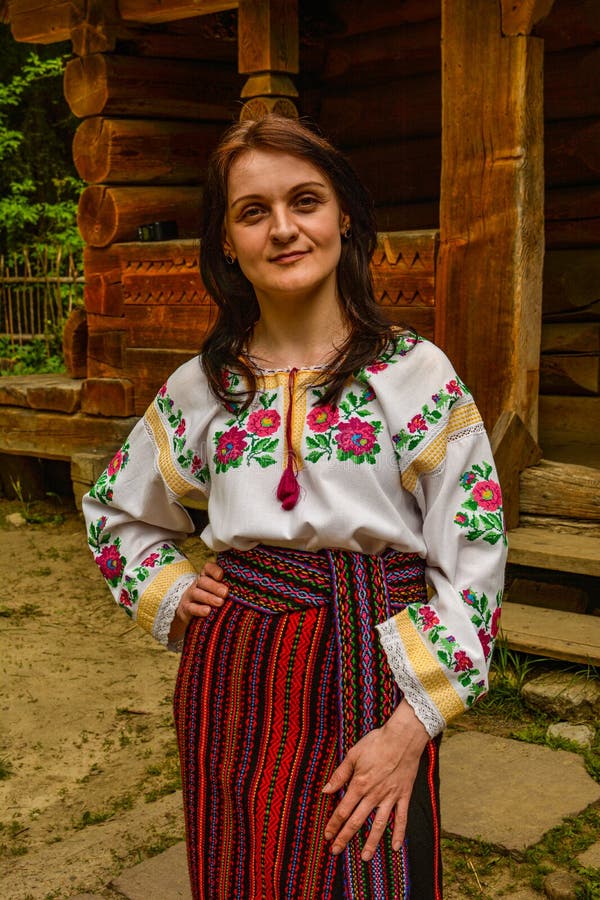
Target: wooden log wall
(570, 351)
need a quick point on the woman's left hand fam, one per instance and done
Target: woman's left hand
(380, 771)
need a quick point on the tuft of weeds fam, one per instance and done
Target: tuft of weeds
(6, 768)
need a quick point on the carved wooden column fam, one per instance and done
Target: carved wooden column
(268, 53)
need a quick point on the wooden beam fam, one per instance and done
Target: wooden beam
(91, 25)
(268, 47)
(519, 16)
(556, 552)
(153, 11)
(551, 632)
(571, 279)
(570, 421)
(559, 489)
(489, 281)
(513, 449)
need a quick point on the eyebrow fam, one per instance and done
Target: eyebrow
(305, 185)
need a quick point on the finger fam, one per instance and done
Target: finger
(208, 598)
(400, 819)
(342, 813)
(211, 586)
(213, 570)
(380, 821)
(340, 776)
(353, 825)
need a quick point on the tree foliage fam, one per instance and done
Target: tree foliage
(38, 184)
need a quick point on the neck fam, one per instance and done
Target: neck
(297, 334)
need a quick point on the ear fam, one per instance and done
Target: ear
(344, 222)
(227, 246)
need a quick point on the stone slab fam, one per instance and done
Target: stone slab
(571, 697)
(161, 877)
(507, 792)
(590, 858)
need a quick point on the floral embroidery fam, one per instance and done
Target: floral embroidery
(185, 456)
(248, 437)
(103, 489)
(398, 348)
(410, 437)
(342, 430)
(483, 518)
(426, 620)
(483, 618)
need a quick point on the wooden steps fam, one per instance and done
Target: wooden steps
(551, 632)
(558, 552)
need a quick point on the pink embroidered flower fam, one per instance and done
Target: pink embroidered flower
(429, 617)
(495, 622)
(124, 598)
(264, 422)
(150, 560)
(377, 367)
(355, 436)
(417, 423)
(196, 464)
(101, 523)
(453, 388)
(322, 418)
(469, 596)
(117, 463)
(487, 494)
(462, 662)
(180, 430)
(485, 640)
(163, 391)
(110, 562)
(231, 445)
(467, 479)
(461, 518)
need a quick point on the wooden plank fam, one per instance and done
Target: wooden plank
(403, 268)
(560, 525)
(149, 368)
(116, 85)
(569, 420)
(514, 449)
(107, 215)
(571, 279)
(400, 172)
(268, 36)
(204, 38)
(51, 392)
(571, 84)
(54, 435)
(556, 489)
(405, 108)
(154, 11)
(550, 632)
(573, 24)
(571, 152)
(573, 217)
(547, 594)
(143, 151)
(107, 397)
(519, 16)
(491, 208)
(355, 19)
(556, 552)
(572, 376)
(74, 343)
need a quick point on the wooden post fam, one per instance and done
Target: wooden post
(268, 52)
(489, 281)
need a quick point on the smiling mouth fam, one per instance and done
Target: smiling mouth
(289, 257)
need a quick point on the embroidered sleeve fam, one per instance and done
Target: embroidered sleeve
(440, 651)
(135, 520)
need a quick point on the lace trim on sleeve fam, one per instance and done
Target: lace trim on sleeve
(166, 612)
(407, 681)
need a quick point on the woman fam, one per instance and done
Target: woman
(347, 473)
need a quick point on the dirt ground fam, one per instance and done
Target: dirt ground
(86, 741)
(89, 781)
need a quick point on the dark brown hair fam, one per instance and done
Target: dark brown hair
(238, 309)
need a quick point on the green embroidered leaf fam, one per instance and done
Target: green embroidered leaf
(315, 455)
(470, 504)
(491, 537)
(265, 461)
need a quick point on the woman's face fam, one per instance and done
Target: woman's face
(283, 225)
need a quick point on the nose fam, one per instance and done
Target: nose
(283, 226)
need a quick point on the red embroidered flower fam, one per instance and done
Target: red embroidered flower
(485, 640)
(377, 367)
(231, 445)
(356, 436)
(417, 423)
(322, 418)
(462, 662)
(162, 391)
(150, 560)
(180, 430)
(117, 462)
(196, 464)
(124, 598)
(488, 495)
(110, 562)
(429, 617)
(264, 422)
(453, 388)
(495, 622)
(461, 518)
(469, 596)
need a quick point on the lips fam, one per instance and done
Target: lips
(289, 257)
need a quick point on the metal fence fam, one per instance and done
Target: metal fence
(38, 290)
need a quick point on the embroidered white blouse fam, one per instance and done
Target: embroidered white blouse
(403, 461)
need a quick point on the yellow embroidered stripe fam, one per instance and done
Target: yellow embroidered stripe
(279, 381)
(428, 670)
(174, 479)
(434, 452)
(156, 590)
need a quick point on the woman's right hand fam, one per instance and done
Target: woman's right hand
(203, 595)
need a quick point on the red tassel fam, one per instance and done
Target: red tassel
(288, 490)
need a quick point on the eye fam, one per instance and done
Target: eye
(307, 202)
(251, 213)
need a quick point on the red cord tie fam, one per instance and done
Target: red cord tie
(288, 489)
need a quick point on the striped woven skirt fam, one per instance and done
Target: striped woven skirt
(273, 689)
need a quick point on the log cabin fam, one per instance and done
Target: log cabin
(476, 126)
